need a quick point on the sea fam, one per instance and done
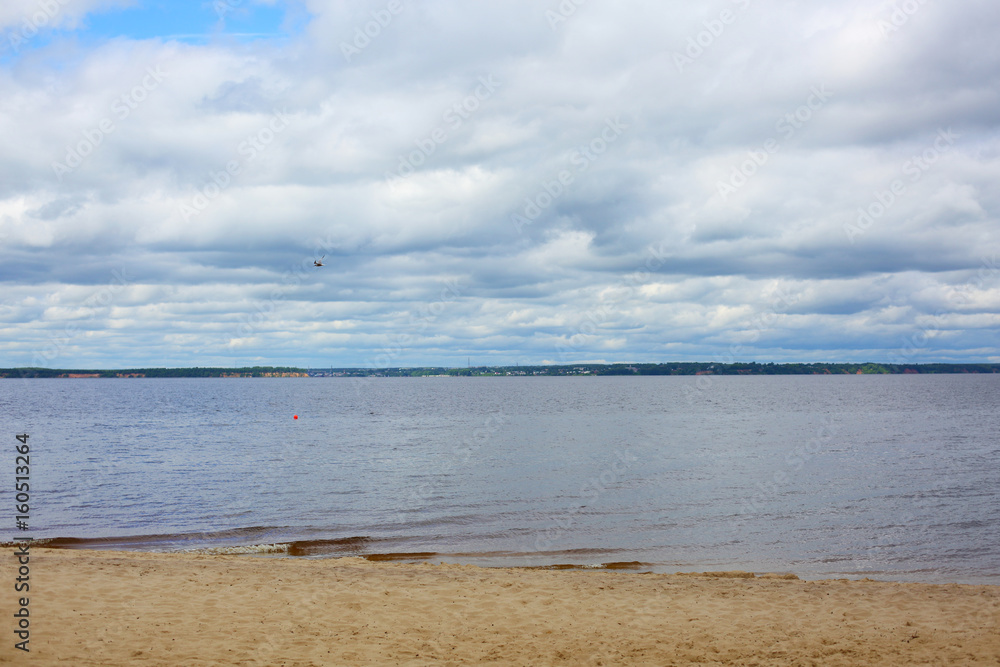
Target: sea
(890, 477)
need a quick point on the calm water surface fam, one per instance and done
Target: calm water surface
(893, 477)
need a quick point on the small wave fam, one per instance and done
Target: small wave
(627, 565)
(347, 546)
(34, 542)
(247, 549)
(253, 540)
(621, 565)
(169, 541)
(415, 555)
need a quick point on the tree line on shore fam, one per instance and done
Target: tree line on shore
(676, 368)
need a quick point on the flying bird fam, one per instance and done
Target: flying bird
(319, 262)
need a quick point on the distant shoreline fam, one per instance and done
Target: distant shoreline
(677, 368)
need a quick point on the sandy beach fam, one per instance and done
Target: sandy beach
(118, 608)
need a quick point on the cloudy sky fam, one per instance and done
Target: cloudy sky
(518, 181)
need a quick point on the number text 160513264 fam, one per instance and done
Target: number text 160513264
(22, 473)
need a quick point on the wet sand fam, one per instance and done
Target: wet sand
(126, 608)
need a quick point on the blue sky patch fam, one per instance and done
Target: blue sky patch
(186, 20)
(192, 21)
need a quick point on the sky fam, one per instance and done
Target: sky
(498, 182)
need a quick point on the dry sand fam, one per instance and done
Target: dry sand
(114, 608)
